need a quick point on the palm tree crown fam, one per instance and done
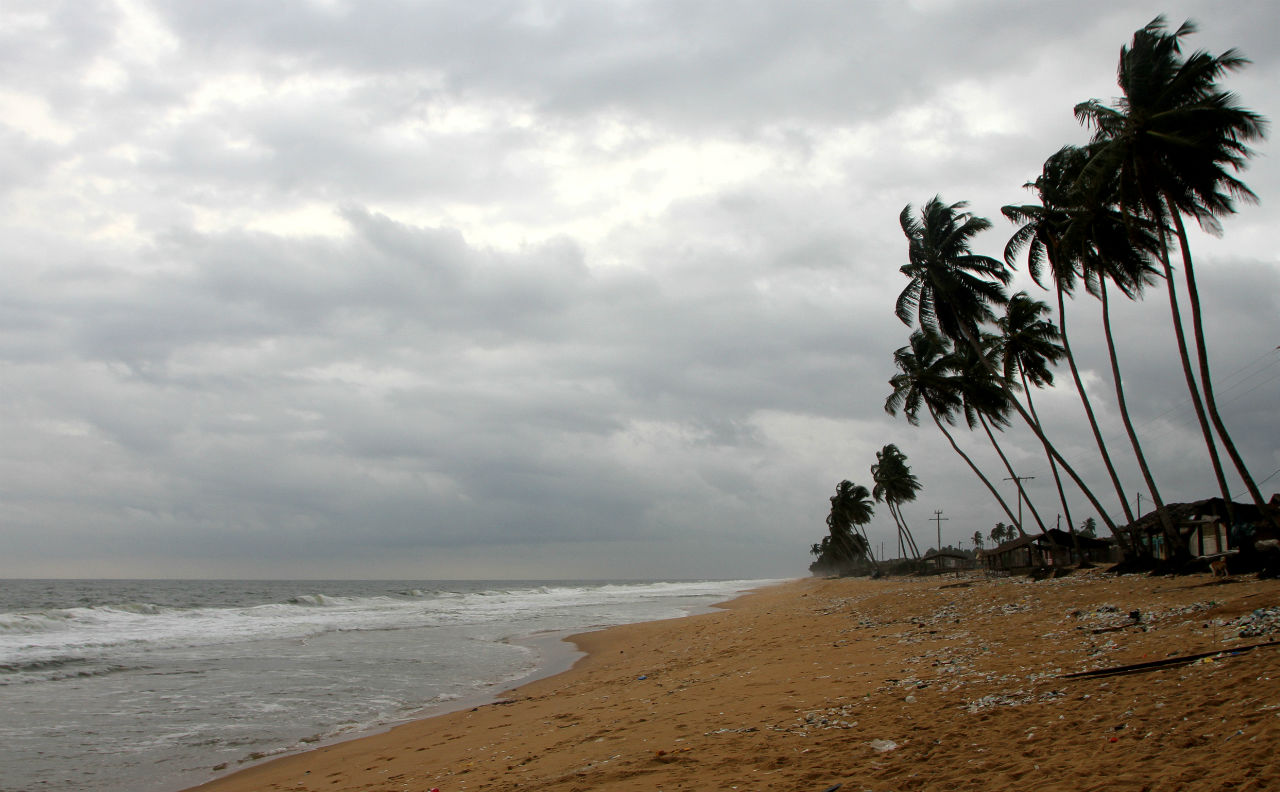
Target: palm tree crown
(951, 288)
(1174, 134)
(894, 482)
(1028, 343)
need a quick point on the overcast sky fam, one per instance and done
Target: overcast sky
(542, 289)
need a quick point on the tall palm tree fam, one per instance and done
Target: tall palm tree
(895, 484)
(1112, 248)
(1041, 231)
(1029, 345)
(951, 291)
(1174, 140)
(985, 403)
(926, 379)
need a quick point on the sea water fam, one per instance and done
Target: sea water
(153, 686)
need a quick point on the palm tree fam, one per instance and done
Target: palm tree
(985, 402)
(1028, 345)
(1174, 140)
(895, 484)
(951, 290)
(1112, 248)
(1041, 232)
(850, 507)
(926, 378)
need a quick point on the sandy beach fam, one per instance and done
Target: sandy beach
(901, 684)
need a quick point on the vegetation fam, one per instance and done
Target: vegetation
(1110, 220)
(845, 550)
(1110, 215)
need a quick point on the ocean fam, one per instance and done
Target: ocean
(154, 686)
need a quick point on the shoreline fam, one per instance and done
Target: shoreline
(911, 683)
(559, 652)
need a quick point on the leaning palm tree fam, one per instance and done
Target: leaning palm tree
(1028, 346)
(951, 290)
(985, 402)
(1045, 230)
(1111, 248)
(850, 508)
(895, 484)
(926, 379)
(1174, 140)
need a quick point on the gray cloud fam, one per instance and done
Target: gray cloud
(534, 289)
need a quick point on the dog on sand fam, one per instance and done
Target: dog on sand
(1218, 567)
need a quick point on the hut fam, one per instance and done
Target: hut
(1205, 527)
(1054, 547)
(937, 563)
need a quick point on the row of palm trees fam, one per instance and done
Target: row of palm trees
(846, 547)
(1109, 214)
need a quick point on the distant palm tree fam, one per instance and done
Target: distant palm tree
(895, 484)
(927, 379)
(850, 508)
(1173, 141)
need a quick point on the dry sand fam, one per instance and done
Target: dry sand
(904, 684)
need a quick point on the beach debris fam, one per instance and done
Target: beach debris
(883, 746)
(1011, 700)
(1262, 622)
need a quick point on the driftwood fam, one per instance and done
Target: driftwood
(1168, 662)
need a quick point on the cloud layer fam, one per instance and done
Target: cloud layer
(524, 289)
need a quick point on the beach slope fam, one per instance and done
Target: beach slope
(904, 684)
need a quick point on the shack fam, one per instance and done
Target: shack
(1205, 527)
(946, 561)
(1054, 547)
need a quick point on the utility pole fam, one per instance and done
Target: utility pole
(1017, 482)
(938, 518)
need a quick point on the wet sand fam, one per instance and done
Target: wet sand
(905, 684)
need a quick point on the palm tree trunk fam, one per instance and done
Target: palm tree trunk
(870, 555)
(990, 487)
(1181, 337)
(1088, 409)
(1165, 522)
(906, 532)
(1206, 381)
(902, 549)
(1053, 466)
(1035, 427)
(1017, 480)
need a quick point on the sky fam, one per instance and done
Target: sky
(395, 289)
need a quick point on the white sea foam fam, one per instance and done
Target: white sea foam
(184, 675)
